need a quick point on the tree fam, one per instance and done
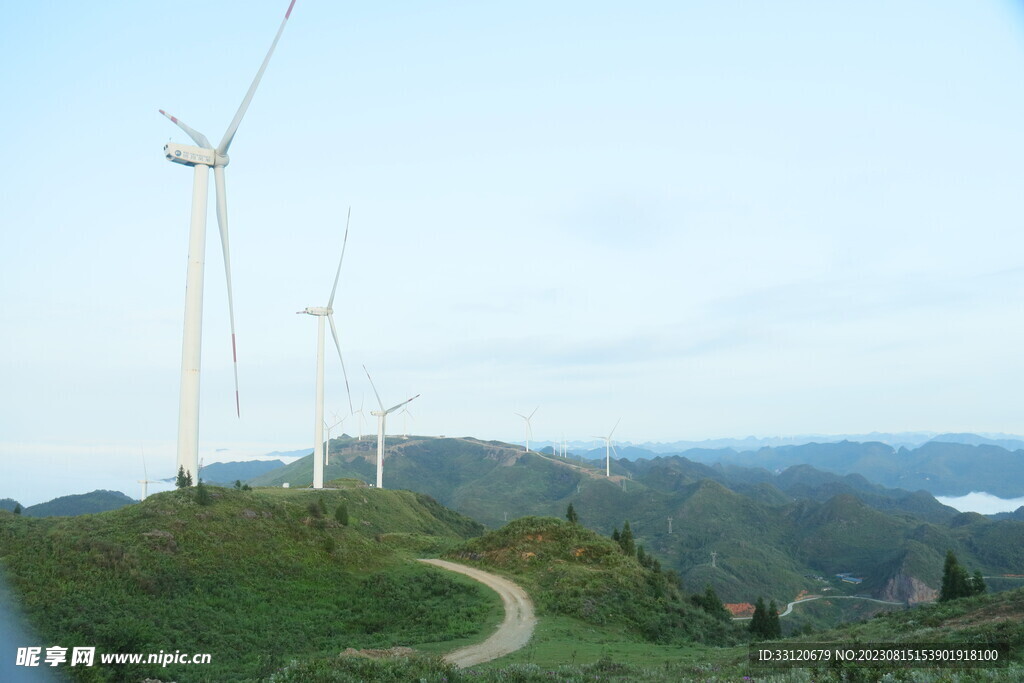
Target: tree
(626, 540)
(710, 602)
(615, 534)
(956, 582)
(341, 514)
(17, 508)
(978, 583)
(182, 481)
(571, 515)
(759, 623)
(774, 627)
(765, 623)
(203, 494)
(238, 484)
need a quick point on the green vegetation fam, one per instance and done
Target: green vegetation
(569, 570)
(183, 480)
(957, 583)
(251, 578)
(79, 504)
(766, 542)
(765, 623)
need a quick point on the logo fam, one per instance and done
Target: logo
(177, 152)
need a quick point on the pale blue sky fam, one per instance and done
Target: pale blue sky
(710, 218)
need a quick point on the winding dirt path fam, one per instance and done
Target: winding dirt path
(513, 633)
(789, 608)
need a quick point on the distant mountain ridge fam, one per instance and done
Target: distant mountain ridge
(80, 504)
(228, 473)
(771, 529)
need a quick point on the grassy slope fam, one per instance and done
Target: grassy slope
(571, 571)
(254, 578)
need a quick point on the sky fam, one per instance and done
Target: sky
(708, 219)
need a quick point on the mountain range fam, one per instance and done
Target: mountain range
(774, 533)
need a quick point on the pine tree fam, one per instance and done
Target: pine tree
(203, 494)
(956, 582)
(571, 515)
(180, 481)
(17, 508)
(341, 514)
(615, 534)
(774, 628)
(759, 623)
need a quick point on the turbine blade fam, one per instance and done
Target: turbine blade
(522, 416)
(199, 138)
(380, 402)
(614, 428)
(145, 474)
(534, 411)
(337, 344)
(394, 408)
(229, 134)
(222, 223)
(338, 274)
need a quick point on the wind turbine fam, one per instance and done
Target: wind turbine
(327, 453)
(406, 414)
(529, 432)
(322, 312)
(146, 481)
(382, 416)
(362, 417)
(202, 158)
(608, 448)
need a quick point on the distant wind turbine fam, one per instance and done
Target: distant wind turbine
(322, 312)
(608, 448)
(327, 452)
(362, 417)
(406, 414)
(382, 416)
(202, 158)
(146, 481)
(529, 431)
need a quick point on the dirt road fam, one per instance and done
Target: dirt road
(513, 633)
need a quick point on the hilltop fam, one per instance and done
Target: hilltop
(569, 570)
(253, 577)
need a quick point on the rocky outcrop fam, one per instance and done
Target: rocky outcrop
(908, 589)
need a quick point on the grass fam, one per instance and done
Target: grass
(255, 578)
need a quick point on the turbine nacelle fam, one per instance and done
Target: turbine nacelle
(316, 310)
(189, 155)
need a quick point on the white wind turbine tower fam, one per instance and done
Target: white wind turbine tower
(382, 416)
(146, 481)
(327, 452)
(327, 312)
(202, 158)
(529, 431)
(406, 414)
(361, 418)
(608, 448)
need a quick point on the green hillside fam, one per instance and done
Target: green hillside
(79, 504)
(255, 578)
(571, 571)
(772, 534)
